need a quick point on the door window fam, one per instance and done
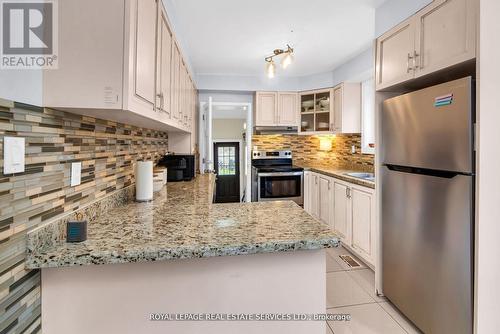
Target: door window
(226, 160)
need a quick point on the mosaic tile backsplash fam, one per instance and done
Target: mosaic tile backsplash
(55, 139)
(306, 150)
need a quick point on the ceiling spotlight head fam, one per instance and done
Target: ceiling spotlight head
(270, 68)
(278, 52)
(287, 60)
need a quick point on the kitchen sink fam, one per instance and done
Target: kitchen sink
(363, 176)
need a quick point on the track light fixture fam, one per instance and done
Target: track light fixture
(285, 62)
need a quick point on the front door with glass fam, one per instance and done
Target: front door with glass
(227, 168)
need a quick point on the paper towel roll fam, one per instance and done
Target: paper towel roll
(144, 181)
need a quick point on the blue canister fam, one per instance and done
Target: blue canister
(76, 230)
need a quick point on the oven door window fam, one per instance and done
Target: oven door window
(280, 186)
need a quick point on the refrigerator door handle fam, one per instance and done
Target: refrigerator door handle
(424, 171)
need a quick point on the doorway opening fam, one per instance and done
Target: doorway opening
(227, 123)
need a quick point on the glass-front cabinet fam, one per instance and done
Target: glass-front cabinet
(316, 111)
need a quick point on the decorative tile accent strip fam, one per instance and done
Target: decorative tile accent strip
(54, 139)
(306, 150)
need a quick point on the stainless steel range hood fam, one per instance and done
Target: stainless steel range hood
(275, 130)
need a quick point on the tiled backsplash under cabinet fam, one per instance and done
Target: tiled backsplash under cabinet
(306, 150)
(55, 139)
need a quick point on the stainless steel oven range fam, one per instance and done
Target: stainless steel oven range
(274, 177)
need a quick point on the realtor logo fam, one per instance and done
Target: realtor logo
(29, 34)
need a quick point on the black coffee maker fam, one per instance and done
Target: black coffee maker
(180, 167)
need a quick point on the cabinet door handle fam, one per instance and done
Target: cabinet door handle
(410, 57)
(415, 64)
(160, 96)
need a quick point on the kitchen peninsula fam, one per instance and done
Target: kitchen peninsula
(121, 275)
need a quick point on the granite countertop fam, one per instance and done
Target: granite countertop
(338, 173)
(182, 222)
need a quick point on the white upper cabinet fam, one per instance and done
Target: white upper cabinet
(315, 111)
(175, 82)
(336, 110)
(145, 49)
(276, 109)
(395, 52)
(441, 35)
(347, 108)
(163, 83)
(121, 57)
(266, 108)
(90, 73)
(287, 109)
(445, 35)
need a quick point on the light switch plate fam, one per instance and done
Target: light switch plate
(13, 155)
(76, 173)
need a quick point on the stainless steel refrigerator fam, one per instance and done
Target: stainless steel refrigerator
(428, 205)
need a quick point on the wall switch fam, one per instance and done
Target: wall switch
(13, 155)
(76, 173)
(353, 149)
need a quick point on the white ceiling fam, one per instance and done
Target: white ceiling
(232, 37)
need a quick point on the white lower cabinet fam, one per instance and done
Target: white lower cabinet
(341, 212)
(311, 193)
(314, 187)
(325, 185)
(348, 208)
(363, 223)
(307, 191)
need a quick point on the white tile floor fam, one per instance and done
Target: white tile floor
(352, 291)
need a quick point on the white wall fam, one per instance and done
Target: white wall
(181, 42)
(245, 83)
(488, 195)
(358, 68)
(226, 96)
(228, 128)
(392, 12)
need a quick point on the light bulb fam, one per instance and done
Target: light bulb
(271, 69)
(287, 60)
(325, 144)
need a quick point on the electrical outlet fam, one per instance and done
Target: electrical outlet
(353, 149)
(13, 155)
(76, 173)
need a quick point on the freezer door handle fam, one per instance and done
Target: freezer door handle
(424, 171)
